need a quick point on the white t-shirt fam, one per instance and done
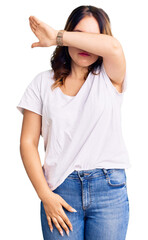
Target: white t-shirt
(80, 132)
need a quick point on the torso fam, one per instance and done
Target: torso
(72, 87)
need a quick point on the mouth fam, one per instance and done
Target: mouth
(84, 54)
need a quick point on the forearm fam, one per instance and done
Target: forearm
(98, 44)
(31, 160)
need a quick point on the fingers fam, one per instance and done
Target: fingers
(50, 223)
(57, 225)
(56, 213)
(58, 222)
(33, 26)
(62, 223)
(37, 44)
(66, 220)
(67, 206)
(35, 20)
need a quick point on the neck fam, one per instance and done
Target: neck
(78, 72)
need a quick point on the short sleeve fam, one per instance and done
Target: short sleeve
(110, 84)
(31, 99)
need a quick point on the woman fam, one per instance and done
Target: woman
(76, 107)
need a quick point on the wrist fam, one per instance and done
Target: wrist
(45, 194)
(54, 36)
(59, 37)
(55, 39)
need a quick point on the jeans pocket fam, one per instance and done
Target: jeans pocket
(116, 178)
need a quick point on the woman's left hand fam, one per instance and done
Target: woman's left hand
(45, 33)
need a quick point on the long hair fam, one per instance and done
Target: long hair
(61, 60)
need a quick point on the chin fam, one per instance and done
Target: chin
(84, 64)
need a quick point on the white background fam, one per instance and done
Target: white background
(19, 203)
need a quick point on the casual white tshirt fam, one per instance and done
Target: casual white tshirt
(80, 132)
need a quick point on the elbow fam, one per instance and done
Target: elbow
(117, 48)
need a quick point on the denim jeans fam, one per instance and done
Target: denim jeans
(101, 200)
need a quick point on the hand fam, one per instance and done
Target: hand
(45, 33)
(53, 209)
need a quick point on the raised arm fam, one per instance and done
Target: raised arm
(99, 44)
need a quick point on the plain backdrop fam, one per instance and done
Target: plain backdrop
(19, 203)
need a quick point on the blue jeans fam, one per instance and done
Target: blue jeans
(101, 200)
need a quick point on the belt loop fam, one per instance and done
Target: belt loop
(104, 170)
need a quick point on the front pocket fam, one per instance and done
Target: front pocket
(116, 178)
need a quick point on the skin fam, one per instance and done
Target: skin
(114, 62)
(101, 45)
(79, 64)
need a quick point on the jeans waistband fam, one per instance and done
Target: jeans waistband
(90, 172)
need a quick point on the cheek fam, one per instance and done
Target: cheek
(72, 52)
(95, 57)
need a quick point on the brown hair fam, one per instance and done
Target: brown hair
(61, 60)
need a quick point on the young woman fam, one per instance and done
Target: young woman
(76, 107)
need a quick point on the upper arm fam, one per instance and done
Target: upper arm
(118, 89)
(115, 67)
(31, 127)
(31, 106)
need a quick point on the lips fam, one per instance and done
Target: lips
(84, 54)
